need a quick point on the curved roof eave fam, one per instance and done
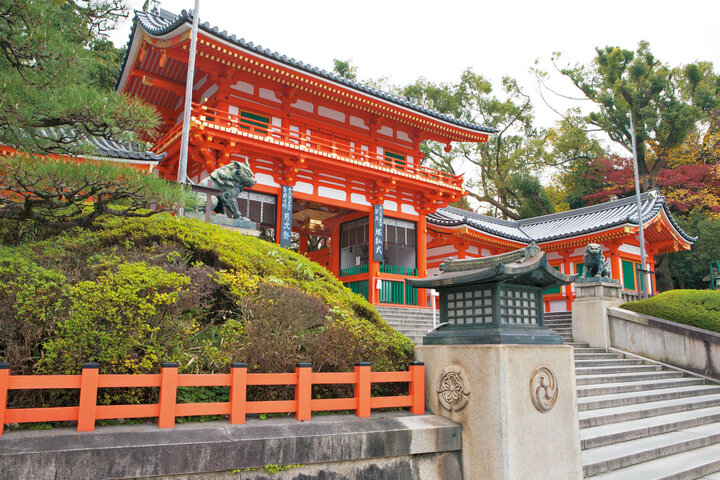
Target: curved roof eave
(653, 204)
(162, 24)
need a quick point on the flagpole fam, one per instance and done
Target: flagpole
(637, 201)
(187, 109)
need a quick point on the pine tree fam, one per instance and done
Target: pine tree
(57, 71)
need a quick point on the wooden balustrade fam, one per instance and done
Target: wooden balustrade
(237, 407)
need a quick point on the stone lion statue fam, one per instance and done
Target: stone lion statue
(594, 263)
(230, 179)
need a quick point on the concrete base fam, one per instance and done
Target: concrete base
(590, 322)
(492, 391)
(334, 447)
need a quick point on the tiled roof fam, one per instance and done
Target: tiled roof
(160, 22)
(110, 148)
(564, 224)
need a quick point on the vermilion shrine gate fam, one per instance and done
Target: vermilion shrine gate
(338, 166)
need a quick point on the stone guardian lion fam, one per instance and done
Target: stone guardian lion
(230, 179)
(594, 263)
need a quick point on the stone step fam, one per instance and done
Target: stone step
(598, 355)
(616, 369)
(624, 454)
(689, 465)
(632, 398)
(647, 385)
(592, 437)
(604, 362)
(604, 416)
(557, 324)
(625, 377)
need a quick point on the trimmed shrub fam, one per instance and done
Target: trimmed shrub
(130, 293)
(698, 308)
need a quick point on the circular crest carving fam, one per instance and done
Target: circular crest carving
(453, 388)
(543, 389)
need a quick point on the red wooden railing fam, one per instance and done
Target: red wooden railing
(167, 409)
(309, 140)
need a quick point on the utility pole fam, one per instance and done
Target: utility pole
(643, 264)
(187, 109)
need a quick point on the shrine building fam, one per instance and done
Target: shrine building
(338, 166)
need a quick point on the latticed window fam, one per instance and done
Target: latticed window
(472, 306)
(519, 306)
(399, 246)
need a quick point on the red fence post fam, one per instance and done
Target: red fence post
(362, 389)
(168, 395)
(88, 397)
(417, 388)
(238, 392)
(4, 383)
(303, 390)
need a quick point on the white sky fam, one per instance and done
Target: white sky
(404, 40)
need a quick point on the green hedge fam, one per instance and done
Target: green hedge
(132, 293)
(698, 308)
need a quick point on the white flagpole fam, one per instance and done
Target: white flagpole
(187, 109)
(637, 201)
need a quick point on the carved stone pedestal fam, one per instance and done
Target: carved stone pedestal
(589, 311)
(516, 404)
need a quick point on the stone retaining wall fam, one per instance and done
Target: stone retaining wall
(669, 342)
(383, 447)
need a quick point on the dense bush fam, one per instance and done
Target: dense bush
(132, 293)
(698, 308)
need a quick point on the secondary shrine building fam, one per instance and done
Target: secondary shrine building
(337, 163)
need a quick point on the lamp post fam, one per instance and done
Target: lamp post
(643, 265)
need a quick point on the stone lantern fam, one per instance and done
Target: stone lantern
(494, 300)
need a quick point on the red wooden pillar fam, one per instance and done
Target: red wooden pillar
(238, 392)
(88, 397)
(615, 265)
(303, 244)
(168, 395)
(4, 385)
(335, 251)
(417, 388)
(303, 391)
(362, 389)
(421, 248)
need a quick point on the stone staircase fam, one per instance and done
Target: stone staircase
(411, 322)
(640, 420)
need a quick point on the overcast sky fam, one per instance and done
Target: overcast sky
(404, 40)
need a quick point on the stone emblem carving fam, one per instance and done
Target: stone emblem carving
(594, 263)
(543, 389)
(453, 388)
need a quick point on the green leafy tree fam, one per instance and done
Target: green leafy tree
(57, 70)
(623, 83)
(500, 168)
(345, 68)
(688, 268)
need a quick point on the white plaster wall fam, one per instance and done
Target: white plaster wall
(265, 179)
(303, 105)
(332, 114)
(332, 193)
(631, 249)
(245, 87)
(268, 94)
(390, 205)
(303, 187)
(406, 208)
(359, 199)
